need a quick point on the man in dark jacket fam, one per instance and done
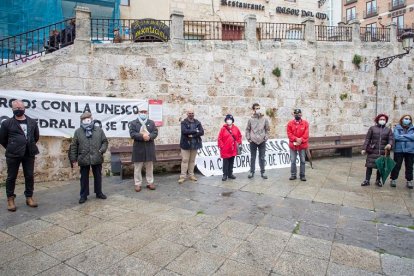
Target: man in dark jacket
(89, 143)
(190, 142)
(144, 132)
(19, 135)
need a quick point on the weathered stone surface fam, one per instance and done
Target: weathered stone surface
(29, 264)
(296, 264)
(394, 265)
(356, 257)
(194, 262)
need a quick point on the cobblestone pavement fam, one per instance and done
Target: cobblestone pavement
(329, 225)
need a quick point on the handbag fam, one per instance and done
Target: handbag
(239, 146)
(370, 148)
(239, 149)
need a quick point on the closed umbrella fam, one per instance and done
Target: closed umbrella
(385, 165)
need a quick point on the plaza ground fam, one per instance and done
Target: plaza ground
(329, 225)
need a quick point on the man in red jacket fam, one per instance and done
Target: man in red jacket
(298, 134)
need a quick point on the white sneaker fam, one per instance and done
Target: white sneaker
(410, 184)
(393, 183)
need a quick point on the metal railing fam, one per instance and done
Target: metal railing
(372, 34)
(214, 30)
(105, 30)
(279, 31)
(33, 44)
(400, 31)
(333, 33)
(396, 4)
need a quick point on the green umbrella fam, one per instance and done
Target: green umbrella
(385, 165)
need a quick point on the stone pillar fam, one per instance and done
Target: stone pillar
(177, 27)
(309, 29)
(83, 30)
(393, 34)
(356, 31)
(250, 31)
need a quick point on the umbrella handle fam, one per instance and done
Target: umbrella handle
(387, 152)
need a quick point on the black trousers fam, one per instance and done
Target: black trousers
(253, 153)
(408, 159)
(228, 166)
(369, 173)
(84, 180)
(13, 165)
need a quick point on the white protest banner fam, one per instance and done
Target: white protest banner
(59, 114)
(277, 156)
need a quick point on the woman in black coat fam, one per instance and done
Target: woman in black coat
(379, 139)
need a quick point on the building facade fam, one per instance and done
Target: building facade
(379, 13)
(273, 11)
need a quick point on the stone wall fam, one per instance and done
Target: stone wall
(219, 77)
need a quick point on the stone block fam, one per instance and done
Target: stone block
(356, 257)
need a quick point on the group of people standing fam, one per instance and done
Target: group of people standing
(230, 139)
(379, 141)
(20, 133)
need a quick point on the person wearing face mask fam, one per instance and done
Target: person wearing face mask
(229, 139)
(88, 145)
(298, 134)
(190, 142)
(403, 150)
(257, 133)
(19, 135)
(378, 140)
(143, 131)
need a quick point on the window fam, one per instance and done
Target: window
(124, 2)
(399, 20)
(371, 7)
(350, 14)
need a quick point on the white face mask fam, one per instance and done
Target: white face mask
(229, 122)
(381, 122)
(86, 121)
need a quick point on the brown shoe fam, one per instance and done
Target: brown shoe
(181, 180)
(137, 189)
(151, 186)
(193, 178)
(10, 204)
(30, 202)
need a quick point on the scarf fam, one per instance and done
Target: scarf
(143, 123)
(88, 129)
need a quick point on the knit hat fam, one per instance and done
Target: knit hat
(85, 115)
(229, 116)
(297, 111)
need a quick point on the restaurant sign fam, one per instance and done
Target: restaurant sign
(148, 29)
(303, 13)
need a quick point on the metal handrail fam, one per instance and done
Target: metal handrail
(34, 43)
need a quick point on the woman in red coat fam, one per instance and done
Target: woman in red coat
(228, 140)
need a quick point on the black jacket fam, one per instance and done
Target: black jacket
(195, 130)
(143, 151)
(12, 138)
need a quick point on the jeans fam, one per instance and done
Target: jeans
(408, 158)
(228, 166)
(253, 153)
(293, 156)
(13, 165)
(84, 180)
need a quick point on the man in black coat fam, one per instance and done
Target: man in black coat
(144, 132)
(190, 142)
(19, 135)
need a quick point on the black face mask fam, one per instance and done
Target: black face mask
(18, 112)
(297, 118)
